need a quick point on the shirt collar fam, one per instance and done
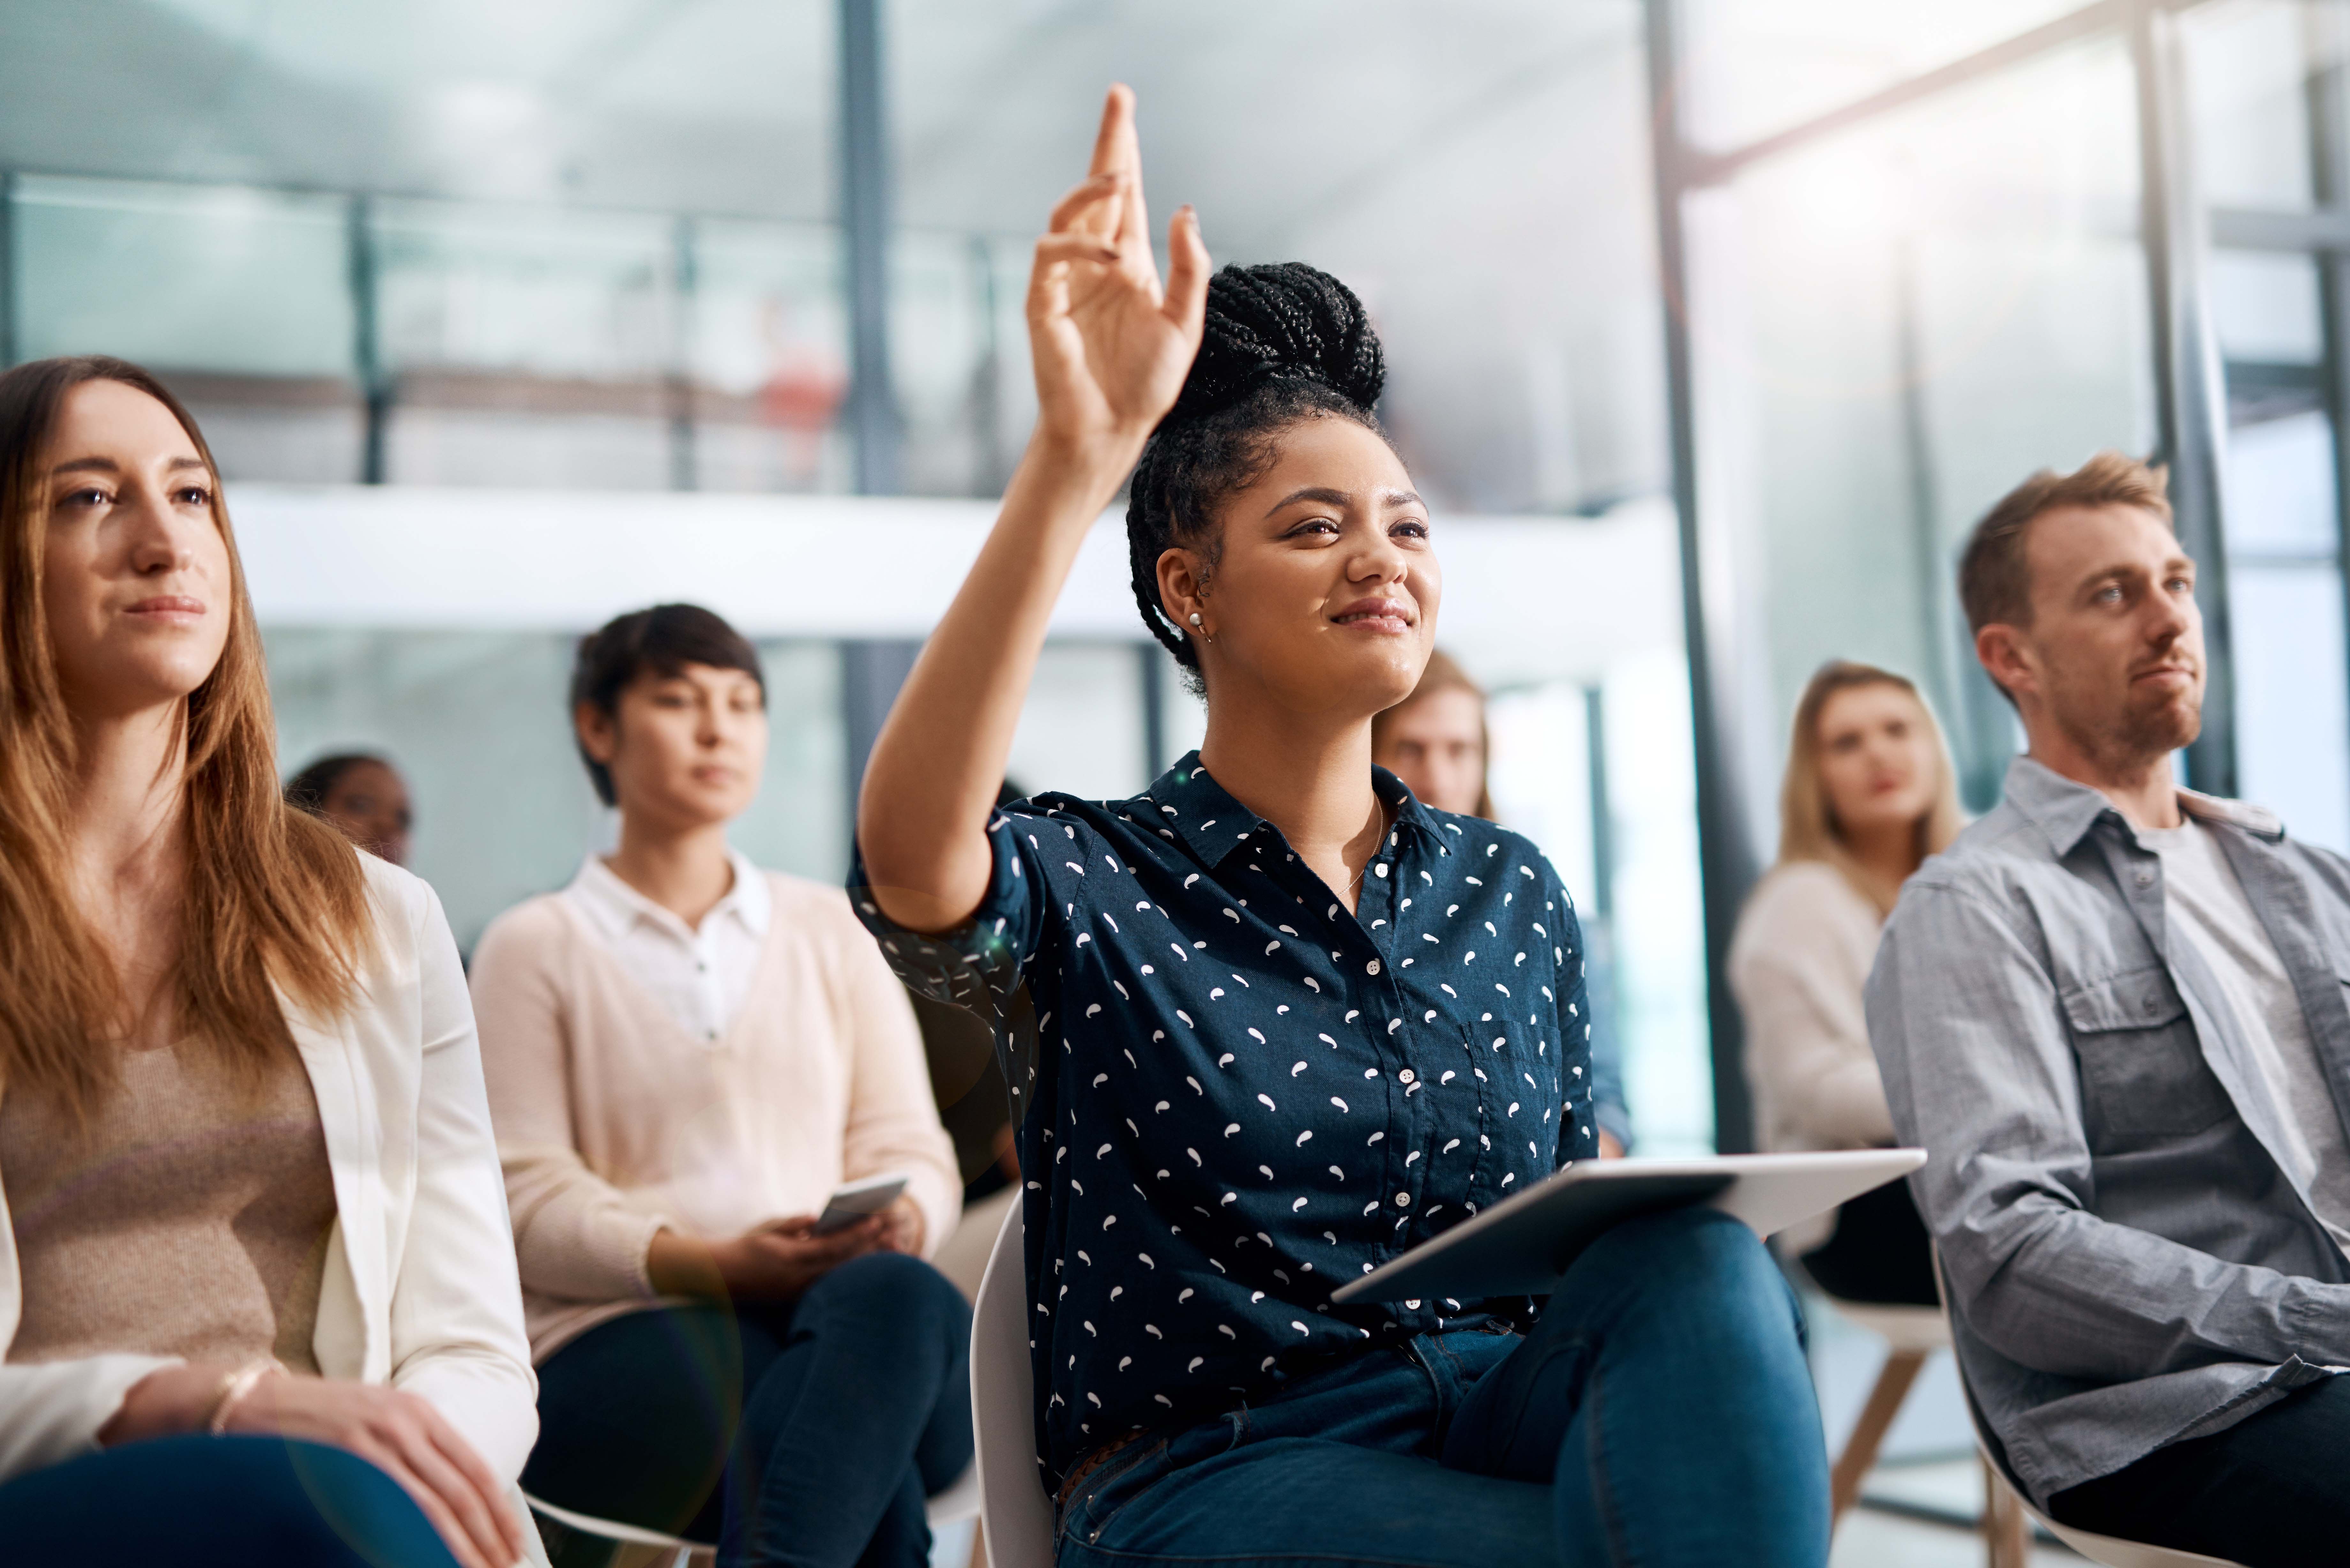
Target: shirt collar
(614, 906)
(2064, 809)
(1204, 816)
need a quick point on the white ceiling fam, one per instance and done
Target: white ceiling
(1478, 168)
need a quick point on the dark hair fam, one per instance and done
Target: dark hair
(665, 639)
(1283, 343)
(309, 788)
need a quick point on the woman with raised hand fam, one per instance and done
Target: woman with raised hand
(1869, 794)
(1288, 1022)
(258, 1291)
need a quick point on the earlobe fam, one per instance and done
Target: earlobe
(1182, 593)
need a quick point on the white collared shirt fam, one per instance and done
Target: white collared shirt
(699, 976)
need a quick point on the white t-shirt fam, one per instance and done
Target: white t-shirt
(2205, 903)
(698, 974)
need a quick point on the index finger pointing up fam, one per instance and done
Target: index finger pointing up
(1115, 152)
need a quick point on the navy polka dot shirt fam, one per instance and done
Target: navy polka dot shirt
(1233, 1096)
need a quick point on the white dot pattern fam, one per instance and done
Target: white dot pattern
(1212, 1143)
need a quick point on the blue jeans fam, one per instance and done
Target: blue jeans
(216, 1502)
(807, 1433)
(1660, 1413)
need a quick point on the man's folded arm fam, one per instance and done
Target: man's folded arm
(1978, 1071)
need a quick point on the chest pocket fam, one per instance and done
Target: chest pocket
(2143, 1075)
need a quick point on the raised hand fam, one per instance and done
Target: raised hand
(1111, 346)
(1112, 349)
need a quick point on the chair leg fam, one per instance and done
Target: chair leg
(2007, 1529)
(1859, 1456)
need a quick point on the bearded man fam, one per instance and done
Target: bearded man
(2114, 1013)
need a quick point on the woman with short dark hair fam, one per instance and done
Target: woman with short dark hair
(1288, 1022)
(257, 1296)
(686, 1055)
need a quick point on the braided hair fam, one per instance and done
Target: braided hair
(1285, 343)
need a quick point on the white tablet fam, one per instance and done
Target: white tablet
(1522, 1245)
(857, 1200)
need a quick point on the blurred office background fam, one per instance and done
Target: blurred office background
(1713, 325)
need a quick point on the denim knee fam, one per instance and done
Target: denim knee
(892, 1287)
(1694, 1253)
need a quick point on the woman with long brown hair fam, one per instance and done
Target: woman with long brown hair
(257, 1293)
(1869, 794)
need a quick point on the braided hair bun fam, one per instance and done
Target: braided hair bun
(1283, 343)
(1284, 320)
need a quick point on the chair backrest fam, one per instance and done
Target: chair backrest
(1015, 1515)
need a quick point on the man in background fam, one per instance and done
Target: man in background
(2111, 1014)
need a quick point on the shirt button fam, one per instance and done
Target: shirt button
(1372, 967)
(2153, 1004)
(1404, 1076)
(1403, 1199)
(2146, 879)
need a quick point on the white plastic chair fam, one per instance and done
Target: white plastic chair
(1015, 1516)
(957, 1503)
(1911, 1334)
(688, 1553)
(2003, 1495)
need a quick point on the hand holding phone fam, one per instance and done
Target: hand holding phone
(856, 1200)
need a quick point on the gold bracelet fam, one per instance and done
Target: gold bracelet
(233, 1390)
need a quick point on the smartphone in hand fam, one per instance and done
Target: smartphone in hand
(856, 1200)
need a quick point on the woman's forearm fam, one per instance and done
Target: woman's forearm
(923, 815)
(684, 1265)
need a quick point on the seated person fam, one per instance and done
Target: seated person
(257, 1295)
(362, 797)
(1869, 794)
(1288, 1020)
(2112, 1012)
(1434, 743)
(686, 1054)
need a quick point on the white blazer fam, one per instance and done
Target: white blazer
(420, 1290)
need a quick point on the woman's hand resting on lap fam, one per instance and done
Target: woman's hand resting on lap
(398, 1433)
(777, 1261)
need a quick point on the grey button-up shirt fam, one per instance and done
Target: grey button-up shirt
(2129, 1264)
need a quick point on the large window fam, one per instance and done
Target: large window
(1916, 257)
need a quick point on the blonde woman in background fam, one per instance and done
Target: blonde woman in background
(1869, 794)
(1435, 741)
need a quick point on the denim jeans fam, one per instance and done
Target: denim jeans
(202, 1501)
(807, 1433)
(1659, 1413)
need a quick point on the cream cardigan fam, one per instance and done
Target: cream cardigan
(1797, 965)
(613, 1122)
(420, 1290)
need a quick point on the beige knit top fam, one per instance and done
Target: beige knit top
(613, 1121)
(189, 1219)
